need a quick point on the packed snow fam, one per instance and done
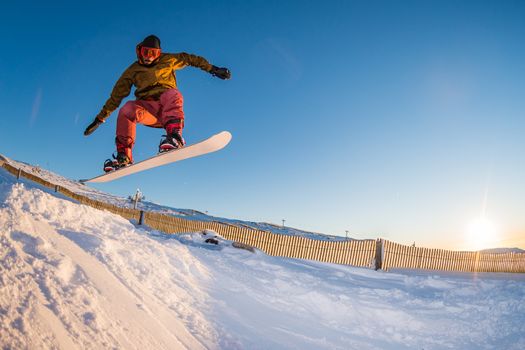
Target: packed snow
(73, 277)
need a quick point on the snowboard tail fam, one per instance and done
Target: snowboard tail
(212, 144)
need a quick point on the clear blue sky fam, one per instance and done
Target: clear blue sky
(395, 119)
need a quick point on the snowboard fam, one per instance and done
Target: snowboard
(212, 144)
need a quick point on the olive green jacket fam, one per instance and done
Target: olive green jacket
(151, 81)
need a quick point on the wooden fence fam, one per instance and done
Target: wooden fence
(401, 256)
(365, 253)
(355, 252)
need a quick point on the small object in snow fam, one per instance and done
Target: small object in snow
(212, 240)
(244, 246)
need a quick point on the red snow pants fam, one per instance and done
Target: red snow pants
(166, 112)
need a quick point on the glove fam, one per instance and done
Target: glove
(223, 73)
(92, 127)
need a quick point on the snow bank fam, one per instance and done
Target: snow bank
(75, 277)
(70, 276)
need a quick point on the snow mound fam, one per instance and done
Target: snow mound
(74, 277)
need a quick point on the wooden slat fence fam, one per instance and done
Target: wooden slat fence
(365, 253)
(357, 253)
(406, 257)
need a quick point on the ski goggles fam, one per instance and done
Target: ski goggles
(149, 52)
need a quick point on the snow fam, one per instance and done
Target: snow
(74, 277)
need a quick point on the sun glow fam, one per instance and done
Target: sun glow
(482, 234)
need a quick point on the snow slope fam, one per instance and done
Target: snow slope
(75, 277)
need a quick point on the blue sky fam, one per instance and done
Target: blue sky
(394, 119)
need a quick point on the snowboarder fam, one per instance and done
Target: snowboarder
(158, 104)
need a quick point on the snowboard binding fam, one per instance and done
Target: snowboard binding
(119, 161)
(170, 142)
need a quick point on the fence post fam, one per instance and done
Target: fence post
(141, 219)
(379, 254)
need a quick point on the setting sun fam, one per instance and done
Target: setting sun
(482, 234)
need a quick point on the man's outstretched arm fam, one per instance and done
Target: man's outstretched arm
(120, 91)
(183, 59)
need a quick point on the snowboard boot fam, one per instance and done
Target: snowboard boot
(119, 161)
(171, 141)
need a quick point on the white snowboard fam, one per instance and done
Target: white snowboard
(212, 144)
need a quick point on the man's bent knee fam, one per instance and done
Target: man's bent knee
(129, 111)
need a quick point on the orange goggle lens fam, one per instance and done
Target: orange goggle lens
(149, 52)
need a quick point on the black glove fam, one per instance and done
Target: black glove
(223, 73)
(92, 127)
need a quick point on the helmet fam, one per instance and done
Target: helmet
(148, 51)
